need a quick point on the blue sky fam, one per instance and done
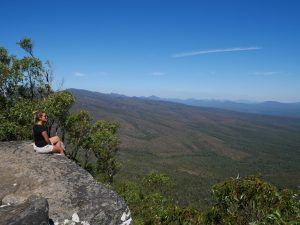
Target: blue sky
(246, 49)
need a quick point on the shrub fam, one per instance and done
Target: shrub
(251, 200)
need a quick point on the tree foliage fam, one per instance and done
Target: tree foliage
(78, 125)
(17, 121)
(27, 45)
(157, 182)
(150, 204)
(57, 106)
(22, 77)
(236, 201)
(99, 140)
(25, 86)
(104, 142)
(251, 200)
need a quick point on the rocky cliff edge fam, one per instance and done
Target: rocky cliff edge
(71, 195)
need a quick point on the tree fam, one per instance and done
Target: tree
(25, 86)
(16, 102)
(33, 80)
(251, 200)
(149, 203)
(157, 182)
(99, 138)
(27, 45)
(104, 142)
(78, 125)
(10, 77)
(57, 106)
(18, 122)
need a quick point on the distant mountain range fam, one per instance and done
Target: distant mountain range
(197, 146)
(267, 108)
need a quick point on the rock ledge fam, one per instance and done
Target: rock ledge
(70, 190)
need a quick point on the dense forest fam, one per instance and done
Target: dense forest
(25, 86)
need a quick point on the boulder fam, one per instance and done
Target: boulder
(70, 190)
(34, 211)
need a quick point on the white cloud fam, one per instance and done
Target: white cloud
(193, 53)
(79, 74)
(265, 73)
(102, 73)
(158, 73)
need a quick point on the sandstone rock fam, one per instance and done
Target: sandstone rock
(68, 188)
(34, 211)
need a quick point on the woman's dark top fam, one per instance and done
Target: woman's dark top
(39, 140)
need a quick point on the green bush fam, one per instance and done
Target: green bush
(149, 203)
(157, 182)
(16, 123)
(251, 200)
(12, 131)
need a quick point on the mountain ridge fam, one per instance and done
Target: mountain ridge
(273, 108)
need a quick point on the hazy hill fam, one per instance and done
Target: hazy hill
(268, 108)
(198, 146)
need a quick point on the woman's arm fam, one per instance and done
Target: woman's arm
(46, 137)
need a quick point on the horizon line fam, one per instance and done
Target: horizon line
(187, 98)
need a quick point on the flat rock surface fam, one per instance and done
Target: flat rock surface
(68, 188)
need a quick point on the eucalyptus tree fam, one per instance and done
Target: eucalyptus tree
(25, 86)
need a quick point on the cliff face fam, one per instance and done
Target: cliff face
(69, 190)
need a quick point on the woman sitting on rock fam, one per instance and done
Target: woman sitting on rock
(42, 142)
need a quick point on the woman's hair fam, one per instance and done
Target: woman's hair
(37, 115)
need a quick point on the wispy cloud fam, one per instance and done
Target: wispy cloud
(158, 73)
(101, 73)
(79, 74)
(265, 73)
(193, 53)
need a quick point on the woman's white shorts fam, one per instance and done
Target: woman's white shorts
(45, 149)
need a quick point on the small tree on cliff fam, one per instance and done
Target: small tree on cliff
(57, 106)
(104, 142)
(99, 140)
(78, 125)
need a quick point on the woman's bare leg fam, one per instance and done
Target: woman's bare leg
(54, 140)
(58, 149)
